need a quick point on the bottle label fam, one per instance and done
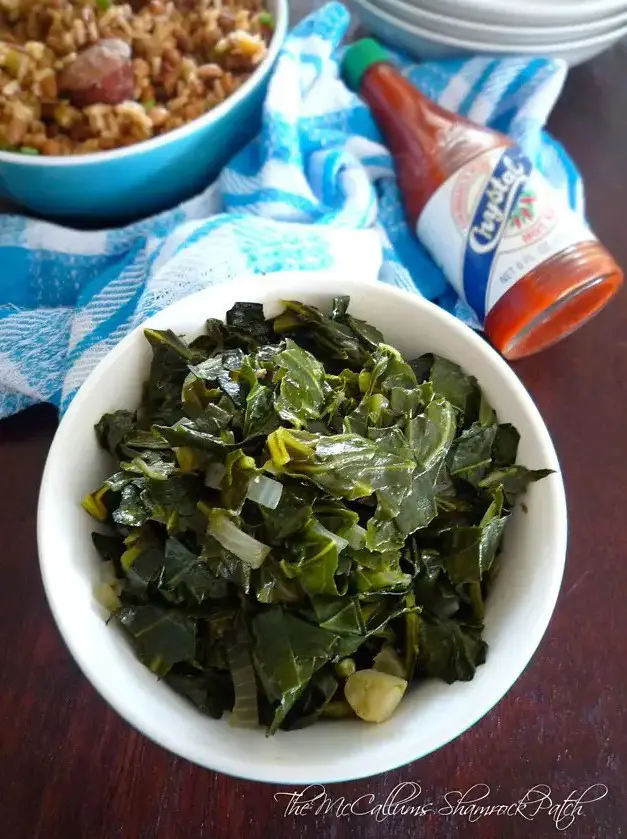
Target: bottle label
(493, 222)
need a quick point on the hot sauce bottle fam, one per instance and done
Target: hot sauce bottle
(507, 241)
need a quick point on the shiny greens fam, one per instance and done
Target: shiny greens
(294, 502)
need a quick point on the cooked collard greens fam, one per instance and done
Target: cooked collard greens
(300, 522)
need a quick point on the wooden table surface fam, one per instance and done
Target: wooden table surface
(70, 768)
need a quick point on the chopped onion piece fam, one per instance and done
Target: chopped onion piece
(265, 492)
(106, 595)
(245, 711)
(213, 475)
(229, 535)
(356, 536)
(340, 542)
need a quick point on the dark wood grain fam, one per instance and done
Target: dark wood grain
(70, 768)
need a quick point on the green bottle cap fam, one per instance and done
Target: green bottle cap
(358, 57)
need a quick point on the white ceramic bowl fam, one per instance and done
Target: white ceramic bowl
(489, 33)
(427, 44)
(431, 714)
(526, 12)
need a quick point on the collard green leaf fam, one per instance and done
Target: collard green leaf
(365, 332)
(470, 551)
(372, 412)
(139, 439)
(449, 650)
(112, 428)
(389, 371)
(315, 699)
(132, 510)
(433, 590)
(260, 417)
(340, 615)
(211, 692)
(505, 448)
(450, 381)
(172, 502)
(224, 564)
(292, 513)
(190, 433)
(418, 507)
(248, 320)
(487, 416)
(430, 434)
(288, 651)
(313, 561)
(336, 517)
(162, 636)
(407, 401)
(168, 370)
(301, 396)
(330, 338)
(185, 577)
(166, 340)
(369, 336)
(471, 452)
(513, 480)
(274, 586)
(343, 465)
(422, 366)
(339, 308)
(152, 465)
(389, 579)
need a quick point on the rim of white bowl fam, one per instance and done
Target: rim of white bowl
(591, 8)
(441, 18)
(281, 15)
(551, 50)
(273, 773)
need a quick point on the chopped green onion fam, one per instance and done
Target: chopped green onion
(229, 535)
(103, 5)
(265, 492)
(266, 19)
(28, 150)
(149, 103)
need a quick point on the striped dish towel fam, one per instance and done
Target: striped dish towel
(315, 190)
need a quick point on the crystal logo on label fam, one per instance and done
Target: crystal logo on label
(494, 212)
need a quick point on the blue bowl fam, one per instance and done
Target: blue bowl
(139, 180)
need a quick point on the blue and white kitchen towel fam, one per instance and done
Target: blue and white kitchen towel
(315, 190)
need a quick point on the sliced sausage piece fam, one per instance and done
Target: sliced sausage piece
(101, 74)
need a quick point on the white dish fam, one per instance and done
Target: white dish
(526, 12)
(431, 714)
(426, 44)
(490, 33)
